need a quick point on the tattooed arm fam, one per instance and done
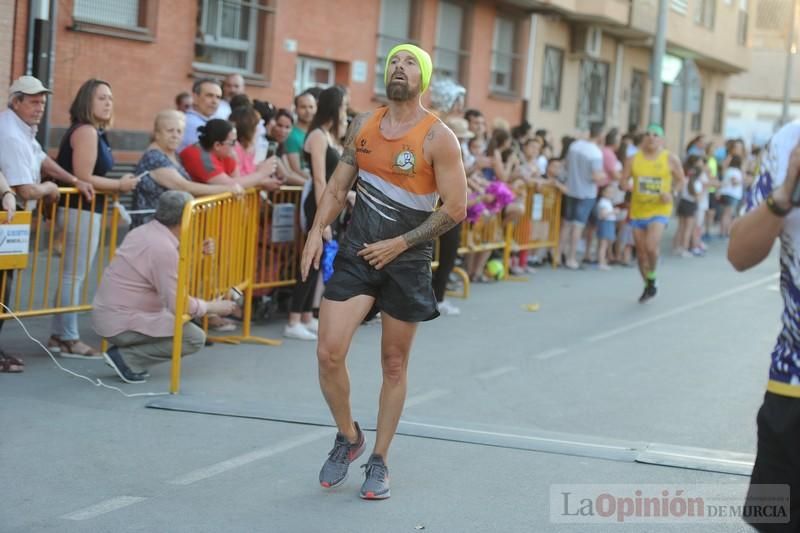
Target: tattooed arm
(334, 196)
(444, 151)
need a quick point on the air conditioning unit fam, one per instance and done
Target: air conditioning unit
(586, 40)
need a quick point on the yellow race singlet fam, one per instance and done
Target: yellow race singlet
(651, 177)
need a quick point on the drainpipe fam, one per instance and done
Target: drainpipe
(659, 49)
(529, 65)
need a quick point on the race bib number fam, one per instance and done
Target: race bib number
(649, 185)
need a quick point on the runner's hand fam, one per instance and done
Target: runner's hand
(666, 198)
(381, 253)
(312, 252)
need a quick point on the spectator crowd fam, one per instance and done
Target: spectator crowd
(217, 140)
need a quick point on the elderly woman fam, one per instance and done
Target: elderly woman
(163, 169)
(134, 307)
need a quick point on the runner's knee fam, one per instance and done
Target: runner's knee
(393, 362)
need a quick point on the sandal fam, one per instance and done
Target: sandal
(72, 349)
(10, 365)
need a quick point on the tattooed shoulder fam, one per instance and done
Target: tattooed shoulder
(354, 128)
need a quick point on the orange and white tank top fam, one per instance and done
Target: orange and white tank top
(397, 166)
(396, 188)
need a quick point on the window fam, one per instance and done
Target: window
(122, 13)
(741, 28)
(680, 6)
(704, 13)
(592, 91)
(231, 35)
(310, 72)
(505, 59)
(551, 78)
(636, 100)
(697, 118)
(396, 23)
(719, 111)
(449, 51)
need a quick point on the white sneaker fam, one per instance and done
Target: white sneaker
(446, 308)
(299, 332)
(312, 326)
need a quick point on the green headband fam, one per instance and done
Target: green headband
(423, 60)
(655, 128)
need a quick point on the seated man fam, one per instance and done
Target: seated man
(134, 307)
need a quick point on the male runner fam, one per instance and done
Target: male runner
(656, 174)
(402, 159)
(773, 216)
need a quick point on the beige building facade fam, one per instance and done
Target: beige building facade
(591, 61)
(756, 103)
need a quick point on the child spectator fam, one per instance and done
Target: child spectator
(606, 226)
(731, 193)
(687, 206)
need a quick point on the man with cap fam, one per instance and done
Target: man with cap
(656, 175)
(22, 160)
(402, 160)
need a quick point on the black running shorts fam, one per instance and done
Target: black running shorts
(778, 456)
(402, 289)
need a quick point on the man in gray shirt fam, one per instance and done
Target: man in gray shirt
(584, 171)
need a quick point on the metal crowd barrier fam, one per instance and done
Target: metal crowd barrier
(34, 277)
(539, 227)
(232, 223)
(280, 239)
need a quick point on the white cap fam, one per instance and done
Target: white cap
(28, 85)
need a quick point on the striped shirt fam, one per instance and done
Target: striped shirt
(396, 188)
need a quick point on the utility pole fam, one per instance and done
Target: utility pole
(659, 49)
(787, 80)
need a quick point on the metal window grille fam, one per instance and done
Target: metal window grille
(505, 60)
(230, 33)
(551, 78)
(449, 52)
(772, 14)
(124, 13)
(592, 92)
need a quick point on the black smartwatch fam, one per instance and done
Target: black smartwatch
(776, 209)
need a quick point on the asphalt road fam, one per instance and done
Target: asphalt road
(591, 366)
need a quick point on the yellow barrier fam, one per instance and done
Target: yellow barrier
(539, 227)
(232, 223)
(280, 240)
(47, 258)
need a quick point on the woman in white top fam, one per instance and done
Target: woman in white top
(731, 193)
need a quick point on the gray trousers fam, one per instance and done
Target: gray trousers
(146, 350)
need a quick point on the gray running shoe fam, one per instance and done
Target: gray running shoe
(334, 471)
(376, 486)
